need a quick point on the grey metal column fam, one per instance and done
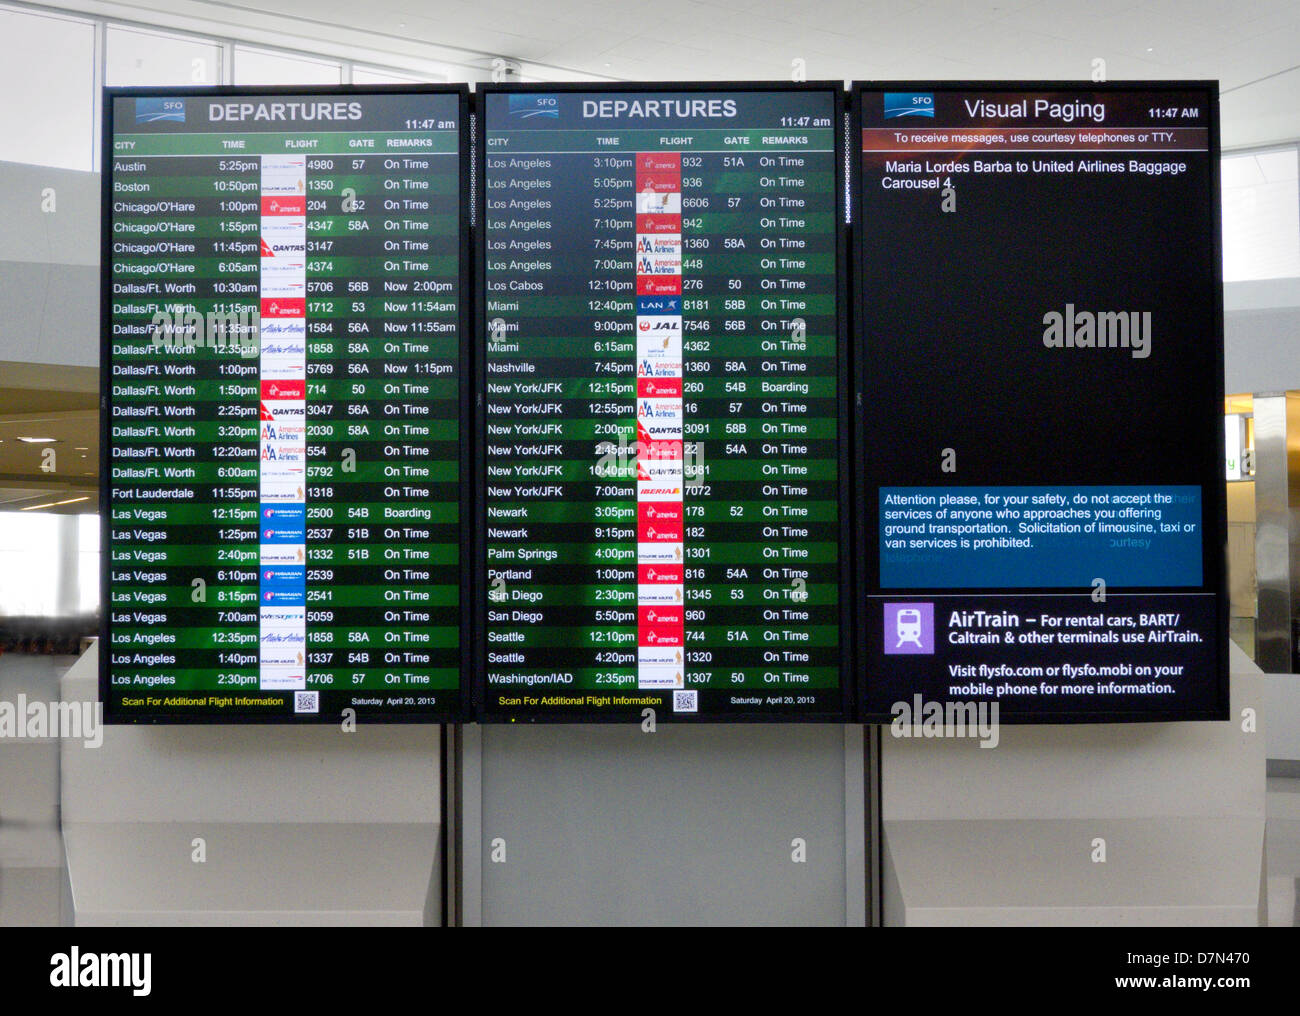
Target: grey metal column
(692, 825)
(1273, 533)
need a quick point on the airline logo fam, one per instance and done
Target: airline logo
(655, 306)
(661, 513)
(659, 470)
(283, 576)
(283, 414)
(283, 679)
(284, 595)
(294, 389)
(282, 617)
(285, 229)
(661, 382)
(289, 280)
(658, 222)
(275, 248)
(660, 595)
(658, 183)
(290, 329)
(663, 411)
(663, 349)
(283, 455)
(651, 675)
(653, 326)
(284, 204)
(284, 553)
(295, 514)
(650, 202)
(650, 446)
(283, 534)
(661, 627)
(659, 264)
(284, 307)
(283, 368)
(286, 431)
(655, 574)
(289, 182)
(666, 243)
(659, 285)
(655, 552)
(282, 491)
(659, 162)
(661, 516)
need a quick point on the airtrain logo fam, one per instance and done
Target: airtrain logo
(899, 104)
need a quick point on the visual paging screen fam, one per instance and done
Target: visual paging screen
(283, 388)
(1040, 325)
(662, 428)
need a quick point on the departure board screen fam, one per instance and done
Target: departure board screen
(1040, 317)
(283, 318)
(662, 498)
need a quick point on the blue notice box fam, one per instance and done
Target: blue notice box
(1027, 537)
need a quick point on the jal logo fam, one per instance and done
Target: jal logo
(644, 326)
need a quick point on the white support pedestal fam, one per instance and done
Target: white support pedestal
(976, 836)
(299, 825)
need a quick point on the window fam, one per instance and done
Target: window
(262, 67)
(137, 57)
(380, 76)
(48, 79)
(1261, 215)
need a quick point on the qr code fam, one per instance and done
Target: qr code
(686, 701)
(306, 702)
